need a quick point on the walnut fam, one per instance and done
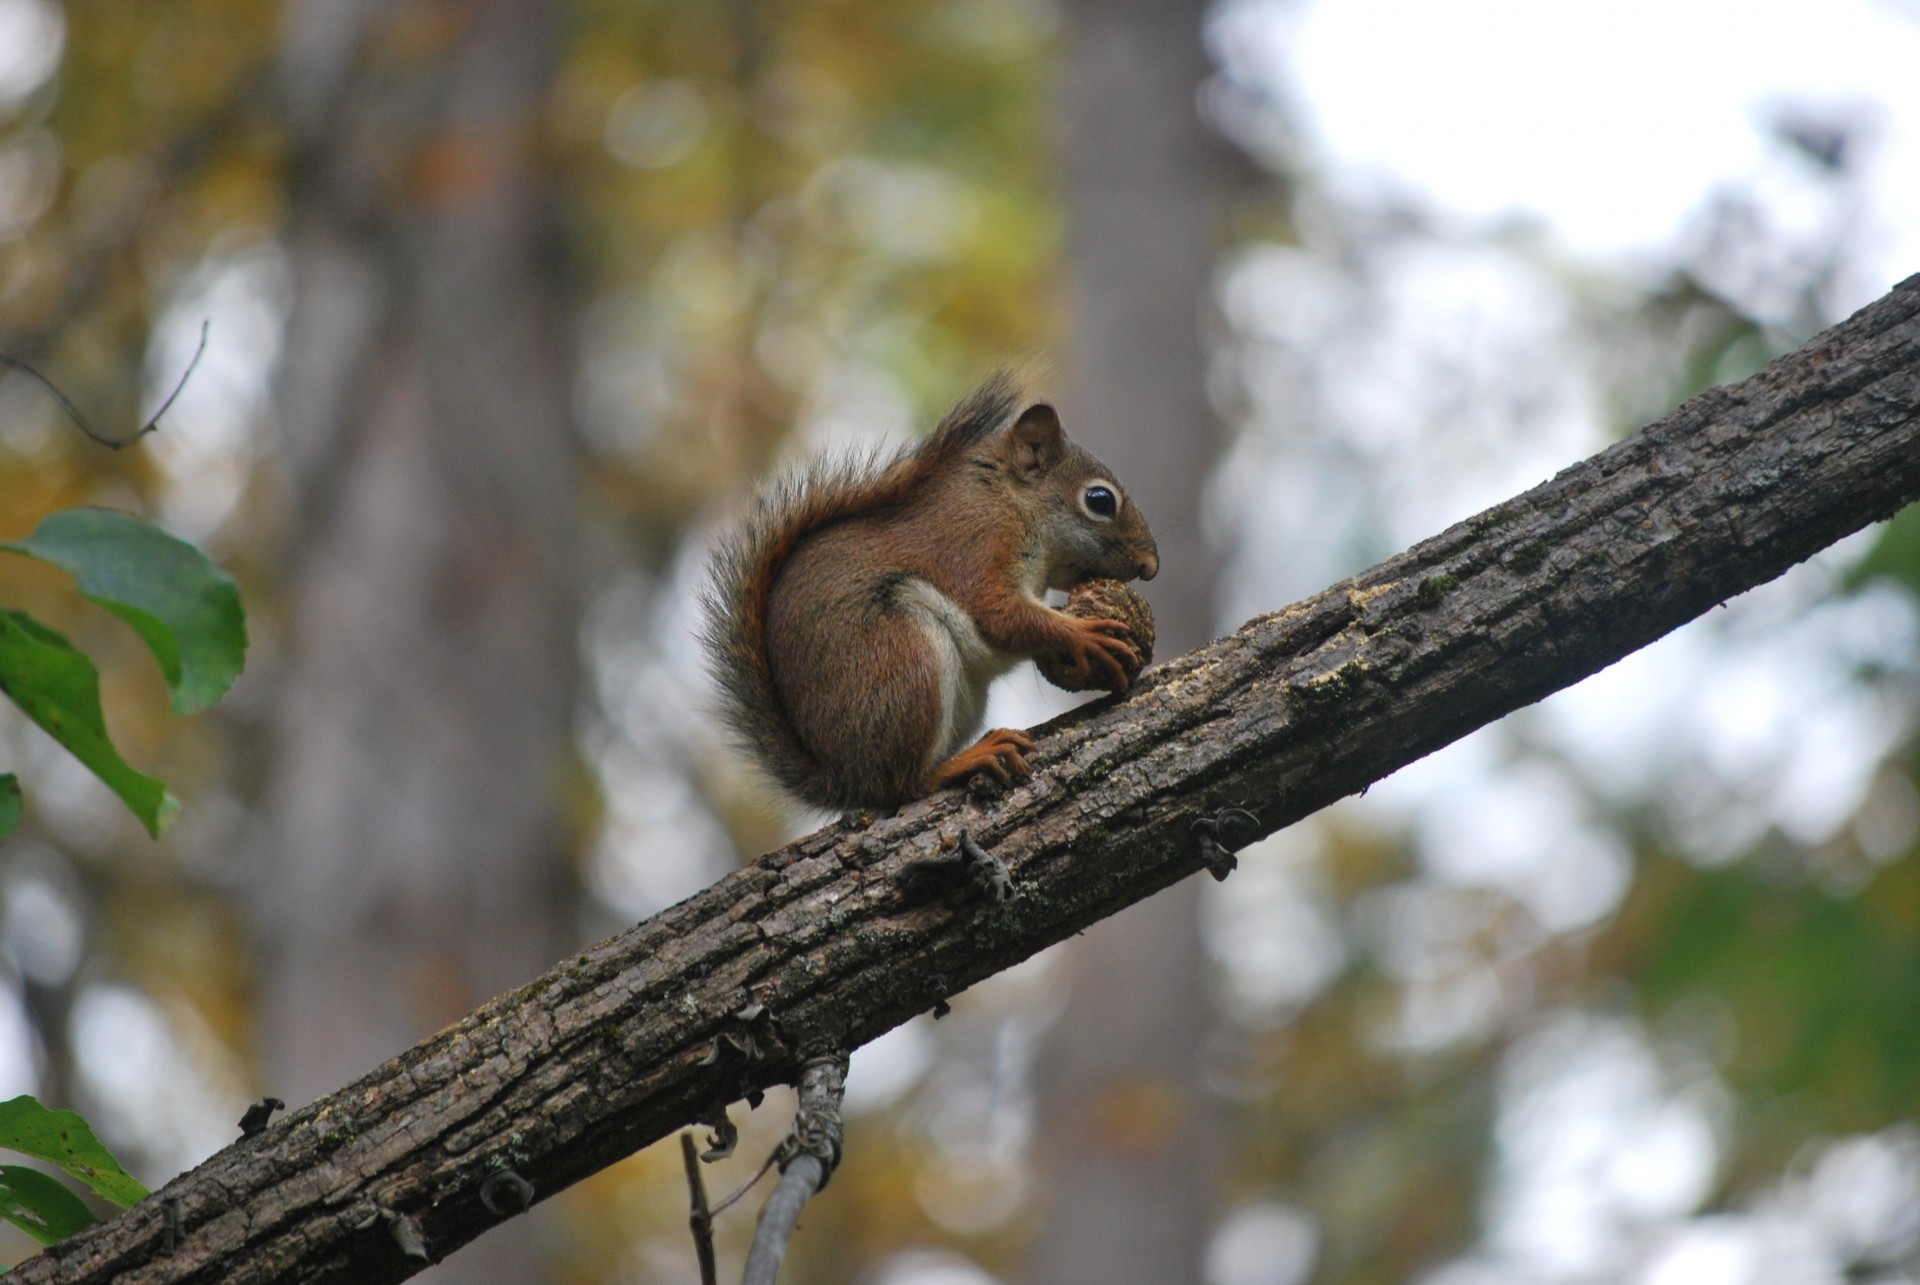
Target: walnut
(1102, 600)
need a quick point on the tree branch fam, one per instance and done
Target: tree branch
(80, 421)
(808, 1157)
(822, 945)
(699, 1217)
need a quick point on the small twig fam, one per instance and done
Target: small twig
(807, 1159)
(80, 421)
(699, 1221)
(256, 1116)
(804, 1176)
(746, 1186)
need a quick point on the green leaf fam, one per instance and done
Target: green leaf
(41, 1206)
(186, 609)
(58, 688)
(9, 803)
(64, 1138)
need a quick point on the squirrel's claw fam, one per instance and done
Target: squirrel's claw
(1007, 752)
(1003, 752)
(1107, 643)
(1008, 765)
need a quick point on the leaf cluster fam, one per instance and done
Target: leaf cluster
(183, 607)
(39, 1204)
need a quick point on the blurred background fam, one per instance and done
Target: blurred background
(511, 305)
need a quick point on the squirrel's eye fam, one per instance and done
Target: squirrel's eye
(1101, 501)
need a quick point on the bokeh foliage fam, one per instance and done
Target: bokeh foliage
(766, 206)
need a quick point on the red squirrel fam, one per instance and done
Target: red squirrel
(857, 616)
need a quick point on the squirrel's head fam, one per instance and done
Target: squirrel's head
(1087, 526)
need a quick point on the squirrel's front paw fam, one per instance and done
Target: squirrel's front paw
(1099, 654)
(1110, 613)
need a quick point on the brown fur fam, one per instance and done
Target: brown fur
(818, 610)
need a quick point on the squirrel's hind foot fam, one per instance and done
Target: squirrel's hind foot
(1003, 752)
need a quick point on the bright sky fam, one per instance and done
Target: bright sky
(1609, 121)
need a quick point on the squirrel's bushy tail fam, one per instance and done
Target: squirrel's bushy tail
(749, 559)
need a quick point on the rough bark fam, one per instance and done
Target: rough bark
(651, 1029)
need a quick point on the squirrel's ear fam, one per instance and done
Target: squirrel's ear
(1037, 439)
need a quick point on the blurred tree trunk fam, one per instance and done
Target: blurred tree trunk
(1128, 1140)
(413, 860)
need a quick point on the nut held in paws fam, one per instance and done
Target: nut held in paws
(1103, 600)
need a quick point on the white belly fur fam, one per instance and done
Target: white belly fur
(968, 664)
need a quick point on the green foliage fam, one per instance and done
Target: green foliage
(36, 1203)
(64, 1138)
(186, 609)
(56, 686)
(182, 606)
(40, 1206)
(1820, 986)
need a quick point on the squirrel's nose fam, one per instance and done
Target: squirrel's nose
(1149, 565)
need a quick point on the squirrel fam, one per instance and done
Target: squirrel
(857, 616)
